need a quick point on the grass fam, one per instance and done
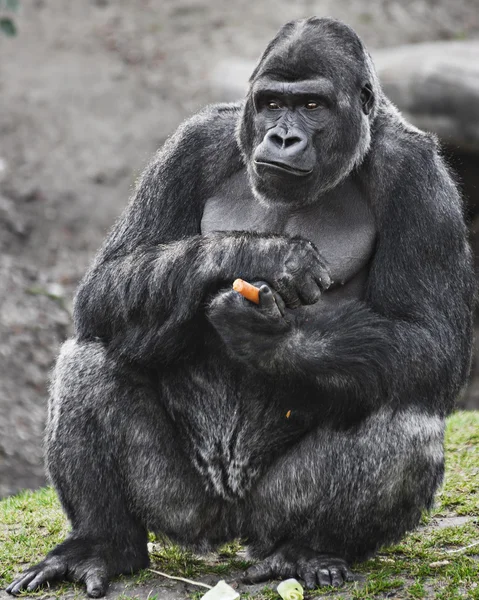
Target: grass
(432, 562)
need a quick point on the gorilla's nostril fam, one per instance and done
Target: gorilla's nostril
(284, 141)
(291, 141)
(277, 140)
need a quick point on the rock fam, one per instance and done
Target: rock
(436, 86)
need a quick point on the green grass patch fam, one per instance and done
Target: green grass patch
(432, 562)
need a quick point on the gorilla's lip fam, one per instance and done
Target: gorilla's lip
(285, 168)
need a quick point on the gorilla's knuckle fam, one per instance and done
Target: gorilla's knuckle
(284, 283)
(293, 266)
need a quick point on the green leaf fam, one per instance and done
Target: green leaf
(8, 26)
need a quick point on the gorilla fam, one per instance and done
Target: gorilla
(309, 425)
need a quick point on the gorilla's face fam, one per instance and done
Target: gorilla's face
(290, 120)
(306, 119)
(303, 129)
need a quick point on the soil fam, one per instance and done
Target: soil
(89, 90)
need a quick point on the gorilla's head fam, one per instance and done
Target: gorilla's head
(307, 118)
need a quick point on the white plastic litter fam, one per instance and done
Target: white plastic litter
(221, 591)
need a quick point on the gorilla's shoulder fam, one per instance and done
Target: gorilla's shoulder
(212, 121)
(405, 162)
(398, 146)
(205, 141)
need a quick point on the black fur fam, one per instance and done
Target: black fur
(169, 408)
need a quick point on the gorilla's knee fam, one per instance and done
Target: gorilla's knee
(361, 489)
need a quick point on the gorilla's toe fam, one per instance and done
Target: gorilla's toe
(260, 572)
(96, 583)
(324, 570)
(316, 570)
(50, 569)
(73, 560)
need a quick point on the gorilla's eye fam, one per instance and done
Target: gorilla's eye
(311, 105)
(272, 105)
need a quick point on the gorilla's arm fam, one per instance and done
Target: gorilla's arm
(155, 268)
(410, 338)
(146, 279)
(151, 277)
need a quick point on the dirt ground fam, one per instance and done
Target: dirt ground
(88, 91)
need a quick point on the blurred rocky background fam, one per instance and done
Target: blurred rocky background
(89, 90)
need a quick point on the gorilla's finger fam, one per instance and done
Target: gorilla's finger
(96, 584)
(279, 302)
(266, 297)
(309, 291)
(268, 302)
(288, 292)
(321, 276)
(257, 573)
(323, 577)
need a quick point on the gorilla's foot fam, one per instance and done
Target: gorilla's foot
(87, 561)
(296, 561)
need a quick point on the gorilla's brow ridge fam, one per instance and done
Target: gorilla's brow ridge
(301, 87)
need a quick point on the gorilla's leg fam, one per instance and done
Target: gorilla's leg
(117, 465)
(337, 496)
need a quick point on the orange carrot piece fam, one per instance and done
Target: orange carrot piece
(250, 292)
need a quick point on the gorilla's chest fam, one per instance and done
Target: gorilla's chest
(340, 225)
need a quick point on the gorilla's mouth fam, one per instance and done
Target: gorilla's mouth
(279, 166)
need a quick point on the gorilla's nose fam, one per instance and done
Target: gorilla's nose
(288, 143)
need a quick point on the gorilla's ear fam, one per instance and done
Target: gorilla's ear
(367, 98)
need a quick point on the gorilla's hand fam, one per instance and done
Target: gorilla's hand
(250, 332)
(298, 272)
